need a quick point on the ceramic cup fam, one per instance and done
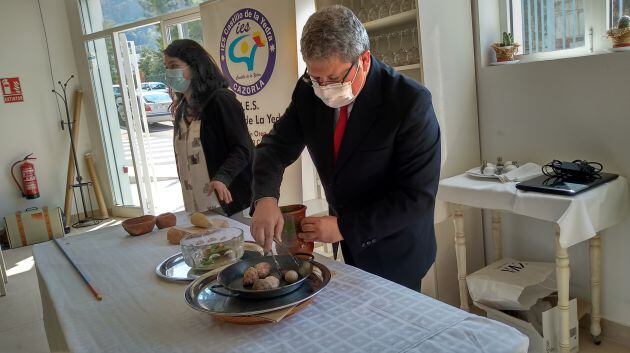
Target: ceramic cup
(293, 215)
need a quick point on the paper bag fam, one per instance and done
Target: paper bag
(509, 284)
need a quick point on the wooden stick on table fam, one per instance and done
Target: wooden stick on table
(87, 282)
(76, 115)
(89, 162)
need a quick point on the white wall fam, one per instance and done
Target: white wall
(564, 109)
(33, 125)
(446, 42)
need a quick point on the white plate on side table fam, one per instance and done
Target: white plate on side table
(476, 172)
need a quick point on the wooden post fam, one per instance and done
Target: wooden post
(562, 277)
(3, 276)
(460, 252)
(76, 117)
(496, 235)
(97, 186)
(596, 316)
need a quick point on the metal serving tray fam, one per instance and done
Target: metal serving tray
(200, 297)
(174, 269)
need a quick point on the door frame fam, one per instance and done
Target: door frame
(137, 126)
(176, 21)
(185, 15)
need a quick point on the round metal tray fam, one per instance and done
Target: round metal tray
(174, 269)
(200, 297)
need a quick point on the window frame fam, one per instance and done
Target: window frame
(611, 21)
(597, 20)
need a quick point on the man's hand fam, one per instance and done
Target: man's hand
(267, 222)
(223, 194)
(321, 229)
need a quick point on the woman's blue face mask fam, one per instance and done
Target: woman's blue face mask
(175, 79)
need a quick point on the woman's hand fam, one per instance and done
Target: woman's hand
(223, 194)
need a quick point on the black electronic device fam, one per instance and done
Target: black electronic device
(565, 185)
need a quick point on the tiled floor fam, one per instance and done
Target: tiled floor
(22, 327)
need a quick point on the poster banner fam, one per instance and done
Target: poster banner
(254, 43)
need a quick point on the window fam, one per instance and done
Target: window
(100, 15)
(555, 29)
(618, 8)
(547, 25)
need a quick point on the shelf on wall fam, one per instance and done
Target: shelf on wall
(391, 21)
(408, 67)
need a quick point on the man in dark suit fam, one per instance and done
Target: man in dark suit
(375, 141)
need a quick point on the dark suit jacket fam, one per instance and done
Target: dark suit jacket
(383, 185)
(228, 148)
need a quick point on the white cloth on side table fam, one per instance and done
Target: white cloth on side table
(522, 173)
(579, 217)
(357, 312)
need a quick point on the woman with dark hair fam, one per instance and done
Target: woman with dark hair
(213, 149)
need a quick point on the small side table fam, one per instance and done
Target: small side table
(578, 218)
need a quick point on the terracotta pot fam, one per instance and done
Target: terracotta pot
(622, 40)
(166, 220)
(293, 215)
(139, 225)
(505, 53)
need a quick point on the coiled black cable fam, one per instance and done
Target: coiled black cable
(578, 169)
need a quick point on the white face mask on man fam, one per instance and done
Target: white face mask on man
(337, 95)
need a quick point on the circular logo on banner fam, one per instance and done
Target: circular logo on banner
(247, 51)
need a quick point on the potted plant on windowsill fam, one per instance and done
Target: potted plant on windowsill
(621, 35)
(507, 49)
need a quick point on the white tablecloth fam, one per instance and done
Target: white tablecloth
(579, 217)
(357, 312)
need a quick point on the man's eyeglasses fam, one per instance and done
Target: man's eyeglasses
(310, 79)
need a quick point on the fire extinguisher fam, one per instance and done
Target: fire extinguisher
(30, 190)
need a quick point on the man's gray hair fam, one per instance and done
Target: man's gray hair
(334, 31)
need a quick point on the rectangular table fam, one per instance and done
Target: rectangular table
(357, 312)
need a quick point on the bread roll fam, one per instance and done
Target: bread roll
(200, 220)
(166, 220)
(175, 235)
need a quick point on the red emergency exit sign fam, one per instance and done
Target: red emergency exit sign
(11, 90)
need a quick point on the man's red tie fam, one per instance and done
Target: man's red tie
(340, 129)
